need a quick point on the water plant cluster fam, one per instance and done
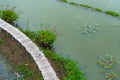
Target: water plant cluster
(108, 62)
(109, 12)
(111, 76)
(89, 29)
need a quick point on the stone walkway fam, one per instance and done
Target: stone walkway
(39, 57)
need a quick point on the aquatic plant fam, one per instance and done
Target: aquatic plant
(111, 76)
(9, 15)
(113, 13)
(86, 6)
(88, 29)
(73, 3)
(98, 9)
(106, 61)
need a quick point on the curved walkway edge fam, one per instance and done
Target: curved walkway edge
(38, 56)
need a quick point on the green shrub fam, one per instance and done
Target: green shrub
(42, 38)
(113, 13)
(98, 9)
(9, 15)
(45, 38)
(24, 70)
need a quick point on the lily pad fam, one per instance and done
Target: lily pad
(107, 61)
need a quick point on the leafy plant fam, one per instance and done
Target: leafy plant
(45, 38)
(9, 15)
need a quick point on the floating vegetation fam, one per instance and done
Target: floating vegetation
(112, 13)
(73, 3)
(111, 75)
(89, 29)
(86, 6)
(98, 9)
(106, 61)
(109, 12)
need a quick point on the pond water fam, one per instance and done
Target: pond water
(75, 37)
(6, 72)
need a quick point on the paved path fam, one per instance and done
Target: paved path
(42, 62)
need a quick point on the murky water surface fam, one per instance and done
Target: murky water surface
(82, 35)
(6, 71)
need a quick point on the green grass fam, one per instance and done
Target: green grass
(45, 38)
(112, 13)
(24, 70)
